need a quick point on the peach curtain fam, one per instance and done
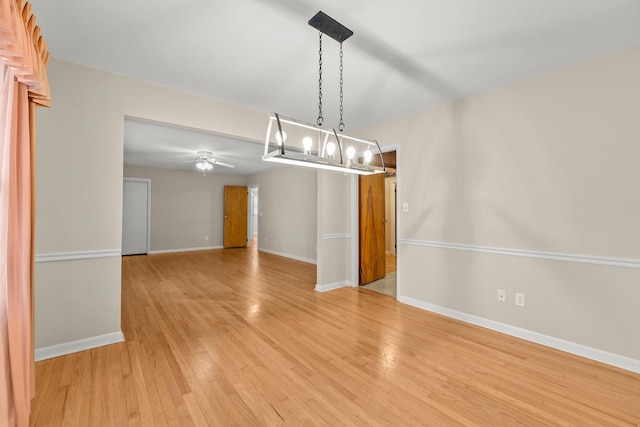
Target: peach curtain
(23, 59)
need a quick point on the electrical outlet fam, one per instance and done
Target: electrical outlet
(520, 300)
(502, 295)
(405, 207)
(206, 237)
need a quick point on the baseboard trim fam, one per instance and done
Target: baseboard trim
(77, 255)
(605, 357)
(556, 256)
(286, 255)
(79, 345)
(332, 286)
(170, 251)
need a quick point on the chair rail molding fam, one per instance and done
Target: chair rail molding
(77, 255)
(556, 256)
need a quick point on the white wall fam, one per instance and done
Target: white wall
(287, 219)
(79, 190)
(548, 166)
(186, 206)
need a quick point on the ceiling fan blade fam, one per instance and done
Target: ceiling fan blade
(216, 162)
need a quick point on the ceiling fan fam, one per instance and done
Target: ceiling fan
(205, 162)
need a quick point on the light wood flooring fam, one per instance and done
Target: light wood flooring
(240, 338)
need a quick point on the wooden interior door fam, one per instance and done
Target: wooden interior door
(372, 222)
(235, 216)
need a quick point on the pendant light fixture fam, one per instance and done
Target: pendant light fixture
(299, 143)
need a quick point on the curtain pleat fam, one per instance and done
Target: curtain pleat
(15, 267)
(23, 60)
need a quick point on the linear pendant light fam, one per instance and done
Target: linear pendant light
(295, 142)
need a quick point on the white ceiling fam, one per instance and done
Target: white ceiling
(153, 144)
(405, 55)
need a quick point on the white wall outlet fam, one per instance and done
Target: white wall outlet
(206, 237)
(405, 207)
(520, 300)
(502, 295)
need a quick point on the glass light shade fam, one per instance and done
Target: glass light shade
(204, 165)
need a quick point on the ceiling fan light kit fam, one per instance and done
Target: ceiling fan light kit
(204, 165)
(206, 162)
(296, 142)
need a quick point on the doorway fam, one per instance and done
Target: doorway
(371, 209)
(236, 199)
(385, 190)
(136, 209)
(252, 225)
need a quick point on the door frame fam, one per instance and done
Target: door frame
(250, 211)
(148, 182)
(355, 229)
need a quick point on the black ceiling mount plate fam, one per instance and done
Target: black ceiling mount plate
(329, 26)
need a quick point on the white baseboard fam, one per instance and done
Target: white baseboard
(282, 254)
(170, 251)
(332, 286)
(79, 345)
(556, 343)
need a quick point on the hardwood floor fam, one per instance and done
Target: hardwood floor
(233, 337)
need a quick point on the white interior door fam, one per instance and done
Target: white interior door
(135, 217)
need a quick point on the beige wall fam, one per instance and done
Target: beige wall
(337, 254)
(287, 207)
(549, 166)
(79, 189)
(75, 300)
(186, 207)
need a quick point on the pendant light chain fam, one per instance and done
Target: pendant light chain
(320, 118)
(341, 125)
